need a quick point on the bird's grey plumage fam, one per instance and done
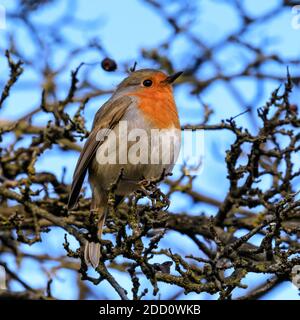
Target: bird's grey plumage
(106, 118)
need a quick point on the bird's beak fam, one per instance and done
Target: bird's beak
(172, 78)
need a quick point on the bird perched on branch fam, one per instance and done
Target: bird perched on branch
(136, 132)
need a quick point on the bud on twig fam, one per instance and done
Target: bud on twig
(109, 65)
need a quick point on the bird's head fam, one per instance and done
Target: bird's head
(147, 81)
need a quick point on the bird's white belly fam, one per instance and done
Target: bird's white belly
(137, 148)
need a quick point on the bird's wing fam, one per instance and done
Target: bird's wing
(106, 118)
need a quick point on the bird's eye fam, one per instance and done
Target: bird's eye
(147, 83)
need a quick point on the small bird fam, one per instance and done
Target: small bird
(144, 102)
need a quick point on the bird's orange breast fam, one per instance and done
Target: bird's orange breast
(158, 106)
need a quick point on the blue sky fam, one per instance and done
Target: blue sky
(125, 28)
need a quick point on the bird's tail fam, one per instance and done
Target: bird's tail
(92, 250)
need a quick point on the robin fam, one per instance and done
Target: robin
(144, 102)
